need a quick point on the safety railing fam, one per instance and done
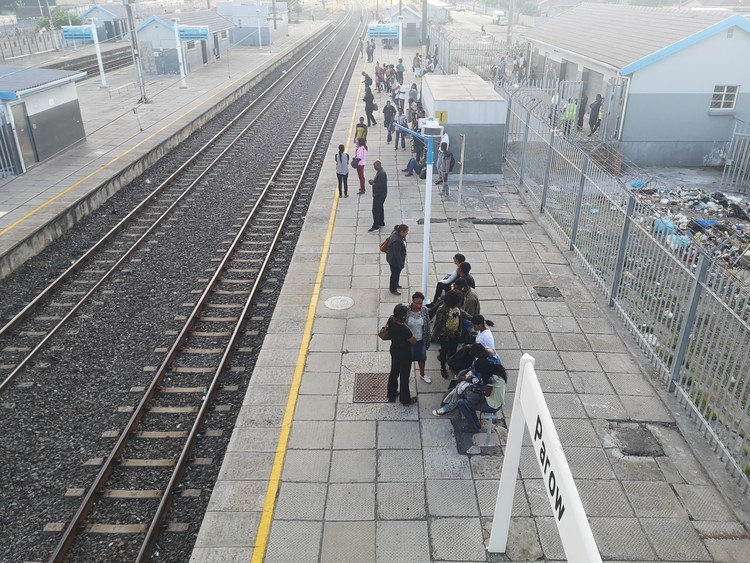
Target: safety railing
(687, 313)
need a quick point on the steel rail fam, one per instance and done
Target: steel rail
(137, 415)
(28, 309)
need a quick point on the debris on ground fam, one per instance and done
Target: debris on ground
(717, 222)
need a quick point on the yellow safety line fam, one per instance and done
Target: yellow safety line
(131, 149)
(264, 527)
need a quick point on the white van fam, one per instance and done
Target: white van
(497, 15)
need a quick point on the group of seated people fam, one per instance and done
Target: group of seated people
(480, 378)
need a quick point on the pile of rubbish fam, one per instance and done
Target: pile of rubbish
(719, 223)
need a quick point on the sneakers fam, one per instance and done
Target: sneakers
(373, 230)
(439, 412)
(426, 378)
(409, 174)
(405, 170)
(360, 192)
(396, 292)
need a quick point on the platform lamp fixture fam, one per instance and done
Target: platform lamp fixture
(92, 23)
(136, 52)
(178, 46)
(260, 41)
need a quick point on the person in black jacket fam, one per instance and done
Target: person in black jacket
(401, 342)
(379, 193)
(369, 100)
(396, 255)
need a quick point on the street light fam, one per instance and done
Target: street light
(400, 33)
(178, 46)
(431, 131)
(260, 41)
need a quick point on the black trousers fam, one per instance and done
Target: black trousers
(440, 289)
(370, 117)
(395, 274)
(378, 213)
(448, 347)
(398, 380)
(343, 181)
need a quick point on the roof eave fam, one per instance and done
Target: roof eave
(572, 53)
(48, 85)
(735, 20)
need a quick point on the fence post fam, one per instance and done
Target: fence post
(579, 202)
(547, 171)
(507, 131)
(523, 147)
(689, 320)
(620, 263)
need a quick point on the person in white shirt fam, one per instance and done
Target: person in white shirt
(444, 139)
(484, 336)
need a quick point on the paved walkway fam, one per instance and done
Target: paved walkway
(310, 475)
(117, 136)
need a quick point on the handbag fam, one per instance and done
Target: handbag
(385, 244)
(383, 333)
(374, 107)
(355, 162)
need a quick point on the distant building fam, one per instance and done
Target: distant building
(249, 18)
(39, 116)
(156, 36)
(411, 26)
(111, 20)
(673, 81)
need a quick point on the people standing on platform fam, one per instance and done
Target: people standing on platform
(402, 93)
(389, 113)
(413, 93)
(369, 100)
(379, 77)
(447, 167)
(582, 110)
(379, 192)
(366, 80)
(361, 154)
(595, 117)
(401, 343)
(501, 68)
(342, 171)
(445, 139)
(569, 116)
(360, 131)
(416, 65)
(361, 47)
(401, 135)
(400, 68)
(396, 256)
(447, 328)
(418, 321)
(440, 164)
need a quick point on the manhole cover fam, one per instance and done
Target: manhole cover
(370, 387)
(636, 440)
(548, 292)
(339, 302)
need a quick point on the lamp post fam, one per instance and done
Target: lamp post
(136, 51)
(92, 23)
(260, 41)
(400, 33)
(178, 46)
(431, 131)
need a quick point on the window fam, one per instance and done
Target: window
(724, 97)
(190, 45)
(224, 34)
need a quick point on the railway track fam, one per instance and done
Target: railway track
(138, 478)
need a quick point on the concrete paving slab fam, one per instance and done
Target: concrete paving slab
(348, 542)
(451, 498)
(632, 468)
(603, 498)
(353, 435)
(315, 407)
(402, 542)
(301, 501)
(486, 466)
(350, 501)
(296, 541)
(591, 382)
(307, 466)
(400, 466)
(228, 529)
(703, 503)
(240, 496)
(621, 538)
(631, 384)
(445, 463)
(353, 466)
(401, 501)
(402, 435)
(319, 383)
(675, 538)
(248, 439)
(653, 499)
(457, 539)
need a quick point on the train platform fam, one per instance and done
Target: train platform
(123, 138)
(321, 467)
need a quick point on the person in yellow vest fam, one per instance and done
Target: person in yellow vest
(569, 116)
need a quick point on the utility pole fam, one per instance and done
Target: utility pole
(509, 36)
(136, 53)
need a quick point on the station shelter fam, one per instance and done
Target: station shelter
(464, 103)
(39, 116)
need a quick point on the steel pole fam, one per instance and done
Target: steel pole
(98, 54)
(260, 40)
(427, 215)
(460, 178)
(178, 46)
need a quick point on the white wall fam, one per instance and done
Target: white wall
(698, 68)
(42, 101)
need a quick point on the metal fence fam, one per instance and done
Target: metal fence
(688, 314)
(736, 174)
